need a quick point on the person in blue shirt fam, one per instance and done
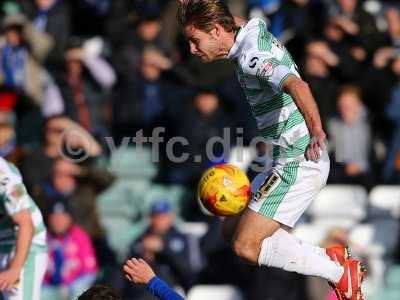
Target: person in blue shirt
(139, 272)
(165, 249)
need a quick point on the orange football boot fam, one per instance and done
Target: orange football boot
(349, 286)
(339, 254)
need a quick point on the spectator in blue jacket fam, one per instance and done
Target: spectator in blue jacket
(139, 272)
(166, 249)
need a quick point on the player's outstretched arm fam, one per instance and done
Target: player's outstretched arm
(301, 93)
(139, 272)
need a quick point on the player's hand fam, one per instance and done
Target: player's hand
(138, 271)
(316, 145)
(9, 278)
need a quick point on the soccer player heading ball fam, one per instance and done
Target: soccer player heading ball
(288, 118)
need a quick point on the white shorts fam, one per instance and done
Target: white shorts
(32, 274)
(284, 192)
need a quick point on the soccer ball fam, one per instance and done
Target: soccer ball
(223, 190)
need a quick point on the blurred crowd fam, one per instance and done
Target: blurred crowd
(79, 77)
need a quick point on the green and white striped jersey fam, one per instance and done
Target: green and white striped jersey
(13, 199)
(262, 65)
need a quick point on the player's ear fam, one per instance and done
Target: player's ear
(217, 30)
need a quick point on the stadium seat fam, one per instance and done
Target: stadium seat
(393, 277)
(121, 212)
(158, 192)
(377, 232)
(124, 207)
(123, 198)
(50, 293)
(220, 292)
(195, 231)
(362, 237)
(374, 277)
(390, 290)
(176, 194)
(372, 243)
(339, 205)
(310, 233)
(132, 162)
(385, 200)
(386, 294)
(121, 232)
(198, 229)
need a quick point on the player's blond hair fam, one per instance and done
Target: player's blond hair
(204, 14)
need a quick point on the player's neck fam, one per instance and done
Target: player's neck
(227, 43)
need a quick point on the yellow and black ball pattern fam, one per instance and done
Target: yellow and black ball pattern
(224, 190)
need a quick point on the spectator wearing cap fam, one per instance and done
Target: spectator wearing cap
(165, 249)
(72, 264)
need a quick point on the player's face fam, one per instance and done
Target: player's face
(202, 44)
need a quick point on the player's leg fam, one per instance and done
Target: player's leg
(230, 224)
(252, 229)
(32, 276)
(281, 199)
(261, 240)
